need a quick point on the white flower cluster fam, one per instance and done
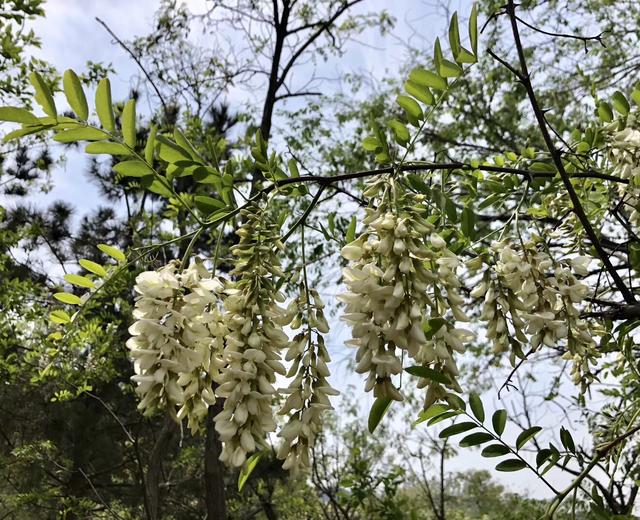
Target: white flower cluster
(530, 299)
(309, 391)
(400, 273)
(251, 354)
(624, 154)
(176, 341)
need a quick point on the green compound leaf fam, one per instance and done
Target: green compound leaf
(80, 281)
(511, 465)
(80, 134)
(113, 252)
(93, 267)
(59, 316)
(475, 439)
(75, 95)
(107, 148)
(427, 78)
(620, 103)
(400, 132)
(499, 421)
(129, 123)
(43, 95)
(104, 106)
(151, 145)
(379, 409)
(428, 373)
(475, 404)
(247, 469)
(411, 107)
(454, 35)
(526, 436)
(473, 29)
(351, 230)
(133, 168)
(495, 450)
(18, 115)
(456, 429)
(433, 411)
(419, 92)
(66, 297)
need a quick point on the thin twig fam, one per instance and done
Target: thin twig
(137, 60)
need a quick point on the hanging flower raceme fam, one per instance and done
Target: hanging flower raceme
(400, 273)
(530, 299)
(624, 156)
(203, 331)
(252, 347)
(309, 391)
(176, 341)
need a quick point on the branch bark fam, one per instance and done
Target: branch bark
(525, 78)
(213, 469)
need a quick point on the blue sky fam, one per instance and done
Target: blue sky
(71, 36)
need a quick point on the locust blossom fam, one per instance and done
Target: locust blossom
(174, 342)
(255, 338)
(624, 157)
(531, 299)
(309, 391)
(203, 331)
(400, 274)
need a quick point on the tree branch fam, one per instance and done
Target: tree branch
(524, 76)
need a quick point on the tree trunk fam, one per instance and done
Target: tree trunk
(154, 469)
(213, 468)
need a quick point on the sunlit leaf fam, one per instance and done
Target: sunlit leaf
(620, 103)
(419, 92)
(59, 316)
(43, 95)
(80, 281)
(104, 106)
(454, 34)
(432, 411)
(75, 95)
(427, 78)
(351, 230)
(129, 123)
(411, 107)
(400, 131)
(93, 267)
(87, 133)
(18, 115)
(473, 29)
(133, 168)
(247, 469)
(151, 144)
(113, 252)
(107, 148)
(170, 151)
(69, 298)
